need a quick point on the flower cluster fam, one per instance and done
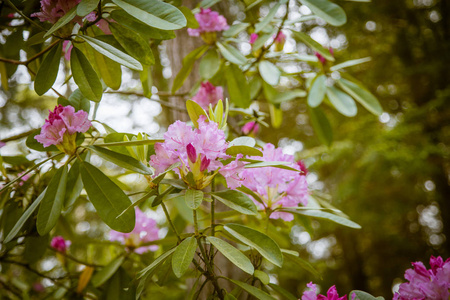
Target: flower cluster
(332, 294)
(209, 23)
(145, 230)
(277, 187)
(199, 150)
(60, 244)
(426, 284)
(208, 94)
(61, 127)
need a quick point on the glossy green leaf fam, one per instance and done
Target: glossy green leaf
(156, 14)
(230, 297)
(25, 216)
(233, 254)
(262, 39)
(160, 259)
(282, 292)
(245, 150)
(252, 290)
(350, 63)
(193, 198)
(235, 29)
(85, 76)
(108, 199)
(288, 96)
(342, 102)
(210, 64)
(363, 96)
(194, 111)
(262, 276)
(79, 101)
(106, 272)
(276, 164)
(231, 54)
(361, 295)
(317, 91)
(48, 70)
(109, 70)
(113, 53)
(130, 143)
(276, 115)
(331, 13)
(321, 125)
(188, 63)
(183, 256)
(237, 201)
(268, 18)
(308, 41)
(243, 141)
(327, 216)
(52, 204)
(237, 86)
(269, 72)
(255, 239)
(304, 264)
(62, 21)
(74, 184)
(248, 191)
(190, 17)
(133, 43)
(86, 6)
(124, 161)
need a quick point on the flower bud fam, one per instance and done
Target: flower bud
(250, 128)
(191, 153)
(60, 244)
(204, 164)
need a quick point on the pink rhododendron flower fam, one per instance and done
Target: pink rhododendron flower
(250, 128)
(145, 230)
(53, 10)
(208, 21)
(332, 294)
(426, 284)
(253, 38)
(302, 167)
(277, 187)
(208, 94)
(199, 150)
(60, 244)
(60, 127)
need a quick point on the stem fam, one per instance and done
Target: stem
(213, 228)
(170, 221)
(210, 269)
(195, 222)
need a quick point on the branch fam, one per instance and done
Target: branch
(34, 57)
(18, 136)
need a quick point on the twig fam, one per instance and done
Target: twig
(170, 221)
(18, 136)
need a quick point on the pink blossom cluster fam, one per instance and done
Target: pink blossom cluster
(60, 244)
(277, 187)
(332, 294)
(53, 10)
(208, 21)
(146, 230)
(62, 121)
(208, 94)
(204, 147)
(426, 284)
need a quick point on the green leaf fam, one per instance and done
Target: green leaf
(269, 72)
(342, 102)
(32, 143)
(133, 43)
(231, 54)
(122, 160)
(190, 17)
(304, 264)
(131, 143)
(321, 125)
(262, 276)
(154, 13)
(86, 6)
(248, 191)
(331, 13)
(350, 63)
(230, 297)
(150, 268)
(237, 86)
(105, 273)
(363, 96)
(237, 201)
(326, 216)
(183, 256)
(235, 29)
(210, 64)
(48, 70)
(112, 52)
(188, 63)
(269, 17)
(30, 210)
(308, 41)
(317, 91)
(108, 199)
(195, 111)
(245, 150)
(275, 164)
(110, 71)
(233, 254)
(361, 295)
(261, 242)
(282, 292)
(62, 21)
(276, 115)
(53, 202)
(243, 141)
(74, 184)
(35, 247)
(193, 198)
(79, 101)
(288, 96)
(252, 290)
(85, 76)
